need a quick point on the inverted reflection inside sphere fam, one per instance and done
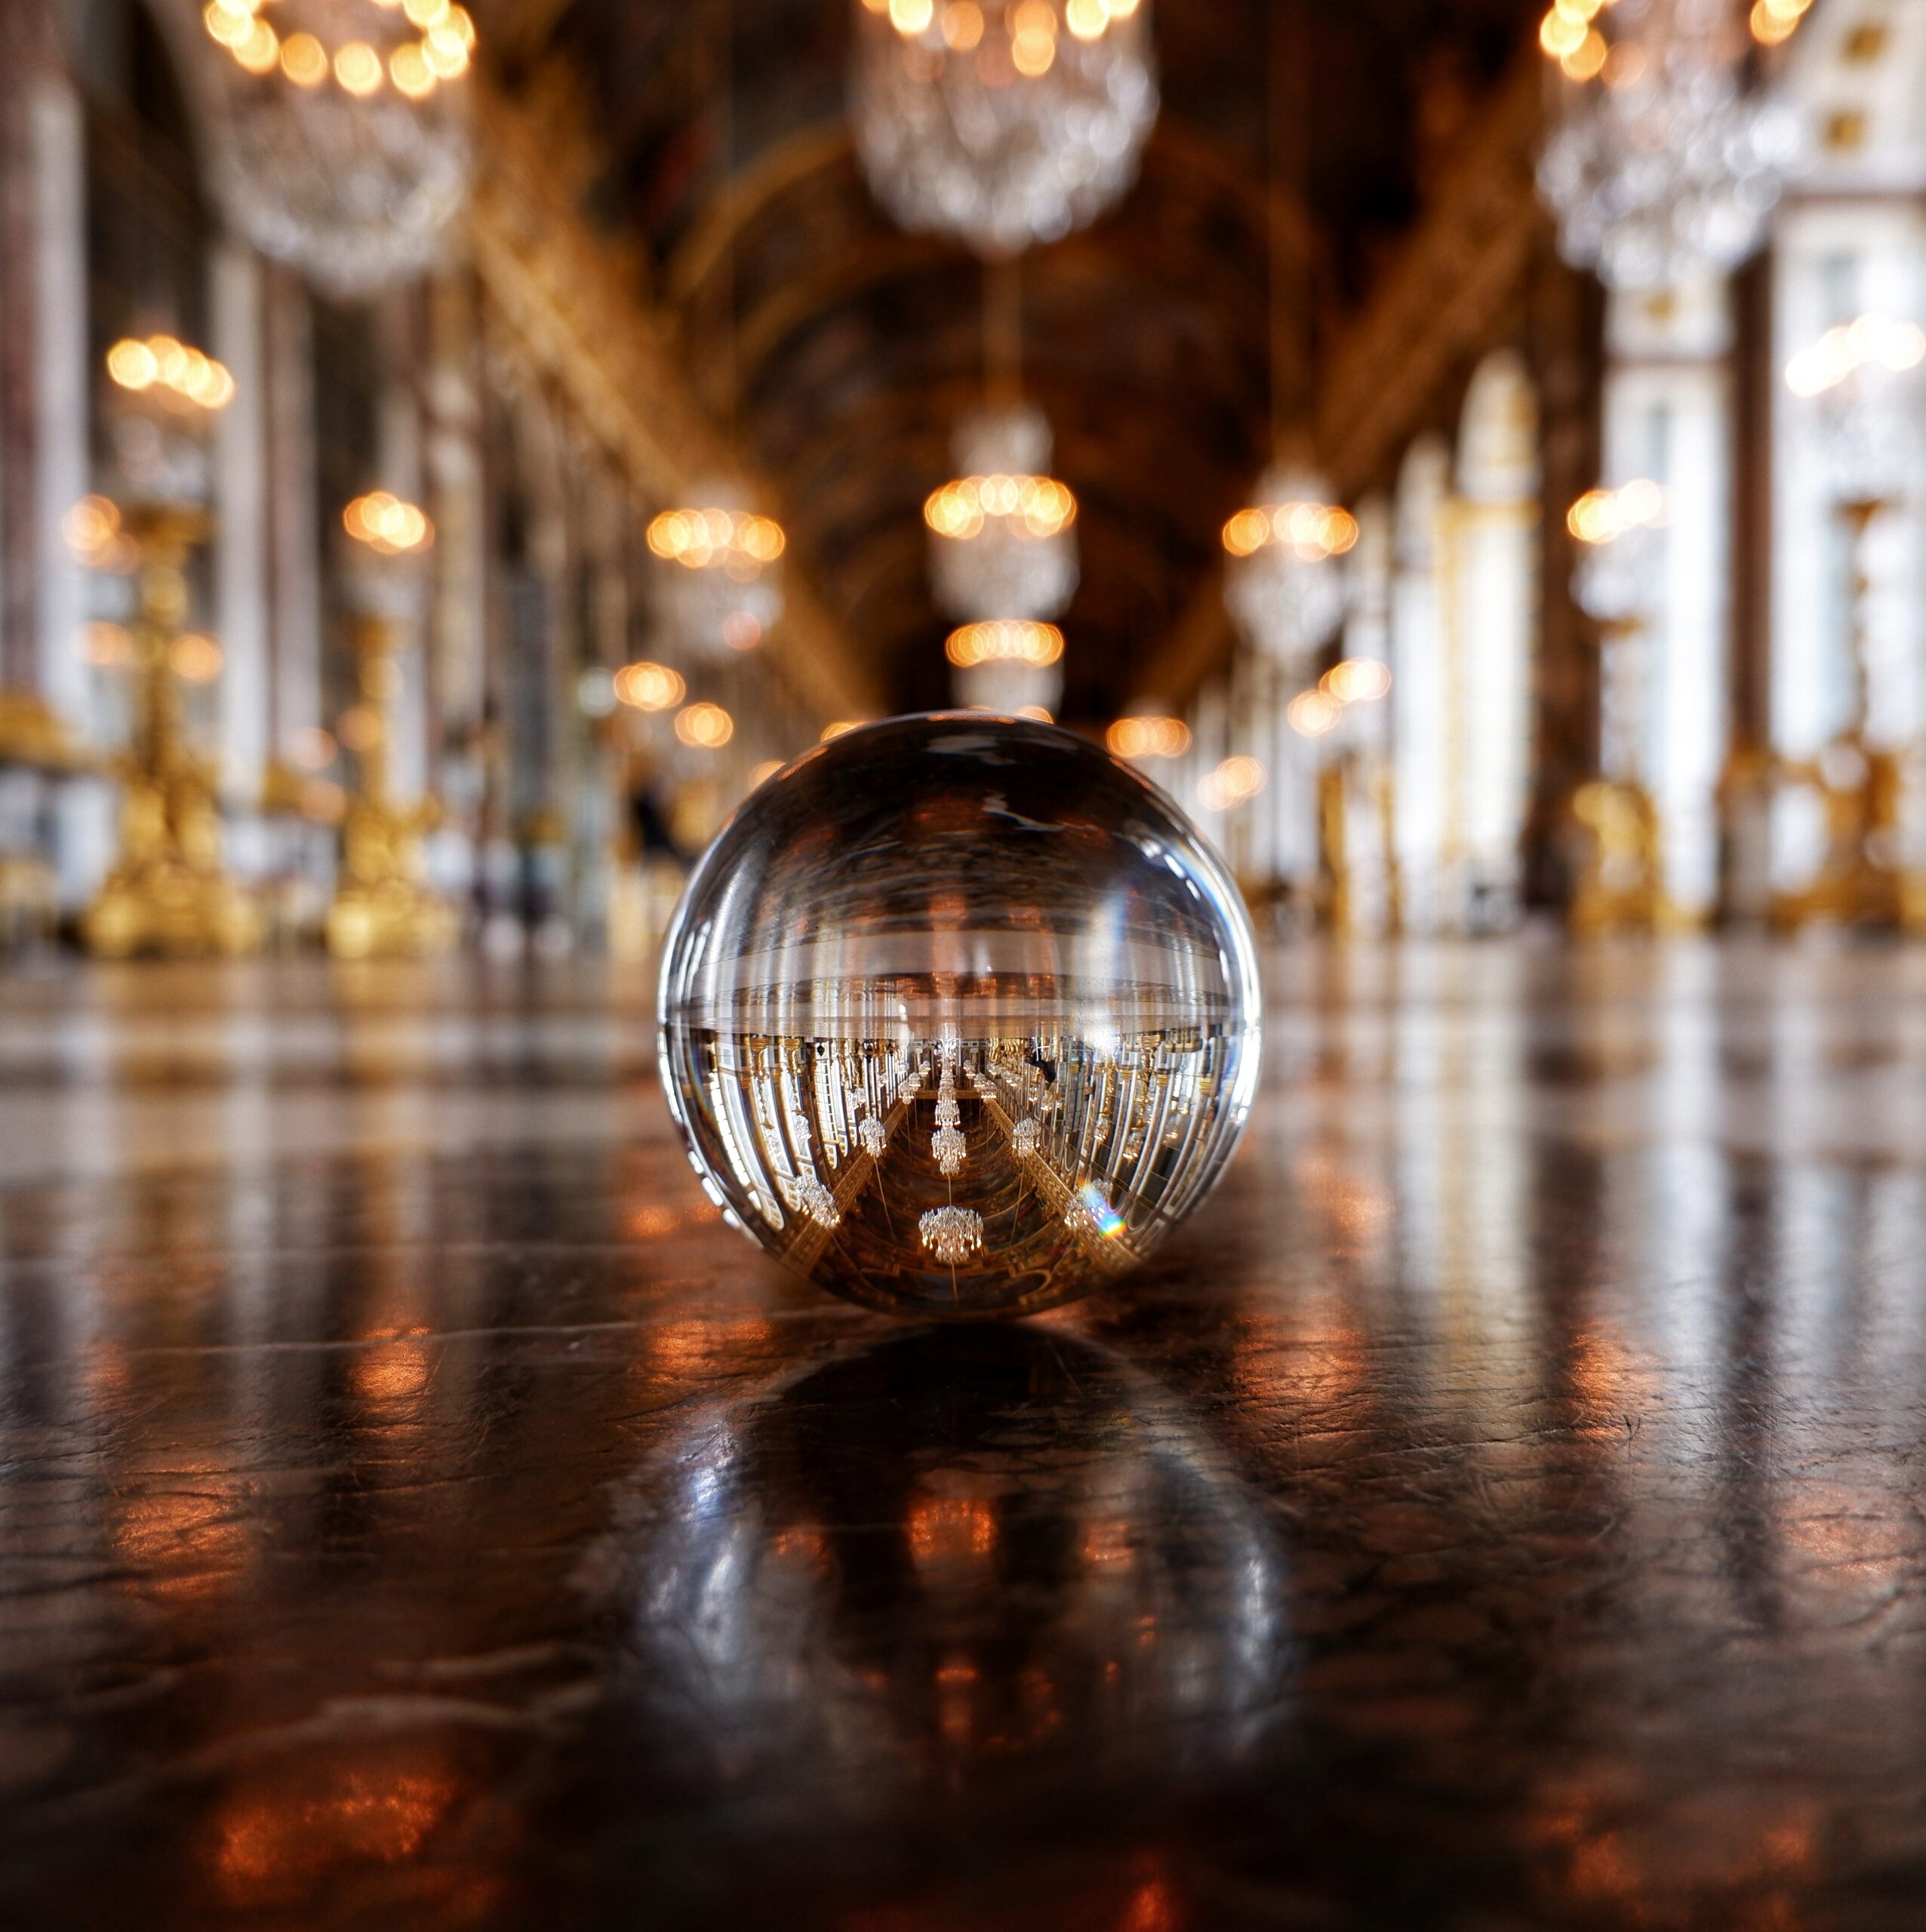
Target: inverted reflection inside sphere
(959, 1016)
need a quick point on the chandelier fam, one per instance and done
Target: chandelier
(159, 420)
(1008, 664)
(1003, 123)
(952, 1234)
(1860, 383)
(1002, 536)
(1282, 584)
(1668, 168)
(344, 150)
(719, 593)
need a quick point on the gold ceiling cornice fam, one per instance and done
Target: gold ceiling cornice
(1438, 307)
(568, 296)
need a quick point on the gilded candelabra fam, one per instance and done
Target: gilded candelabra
(381, 908)
(1858, 880)
(1618, 583)
(167, 892)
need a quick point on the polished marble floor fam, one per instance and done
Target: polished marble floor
(1502, 1510)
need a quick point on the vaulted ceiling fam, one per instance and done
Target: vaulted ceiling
(711, 140)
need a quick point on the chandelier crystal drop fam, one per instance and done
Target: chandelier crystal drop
(1002, 535)
(1002, 123)
(343, 149)
(1663, 167)
(717, 588)
(1283, 583)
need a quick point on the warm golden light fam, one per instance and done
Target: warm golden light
(1033, 38)
(647, 687)
(962, 24)
(1040, 505)
(760, 774)
(387, 524)
(1038, 714)
(1147, 736)
(1774, 22)
(1357, 680)
(698, 538)
(707, 727)
(229, 22)
(1314, 531)
(1087, 18)
(193, 377)
(1603, 516)
(1003, 641)
(1872, 341)
(443, 52)
(1237, 780)
(910, 18)
(260, 52)
(304, 60)
(358, 67)
(410, 72)
(1311, 714)
(1587, 60)
(838, 727)
(195, 659)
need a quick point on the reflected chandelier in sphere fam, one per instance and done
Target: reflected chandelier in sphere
(959, 1016)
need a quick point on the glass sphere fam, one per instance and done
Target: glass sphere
(959, 1016)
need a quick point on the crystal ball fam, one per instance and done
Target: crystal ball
(959, 1016)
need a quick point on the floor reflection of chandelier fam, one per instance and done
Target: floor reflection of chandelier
(344, 149)
(718, 592)
(1002, 535)
(1283, 583)
(1662, 166)
(1003, 123)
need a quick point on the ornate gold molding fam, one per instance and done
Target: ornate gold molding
(568, 298)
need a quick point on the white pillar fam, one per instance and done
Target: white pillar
(241, 539)
(1667, 412)
(1420, 764)
(84, 835)
(61, 387)
(292, 536)
(1492, 644)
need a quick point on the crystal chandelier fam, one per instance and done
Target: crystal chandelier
(344, 149)
(1860, 383)
(1665, 166)
(1007, 664)
(1282, 583)
(1002, 536)
(1001, 122)
(717, 591)
(952, 1234)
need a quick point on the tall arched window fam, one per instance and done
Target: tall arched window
(1848, 628)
